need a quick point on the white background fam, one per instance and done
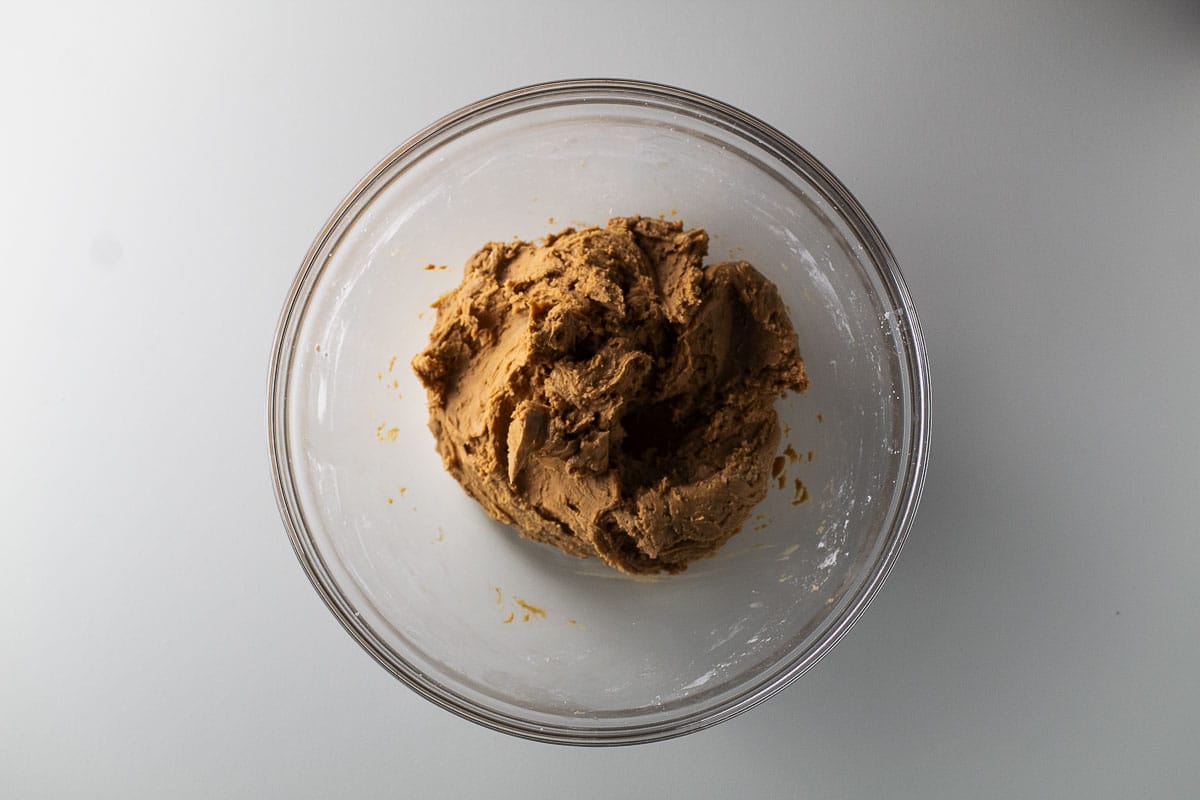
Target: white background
(1036, 168)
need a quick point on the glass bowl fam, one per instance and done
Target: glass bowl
(513, 634)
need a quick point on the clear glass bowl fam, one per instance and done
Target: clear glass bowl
(515, 635)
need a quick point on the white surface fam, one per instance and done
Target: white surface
(1036, 172)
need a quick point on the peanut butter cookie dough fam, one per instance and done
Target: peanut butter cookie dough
(605, 393)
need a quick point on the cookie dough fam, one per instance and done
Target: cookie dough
(606, 393)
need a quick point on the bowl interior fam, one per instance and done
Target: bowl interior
(489, 622)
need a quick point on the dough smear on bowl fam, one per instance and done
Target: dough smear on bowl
(604, 392)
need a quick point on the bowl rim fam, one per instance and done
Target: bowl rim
(800, 162)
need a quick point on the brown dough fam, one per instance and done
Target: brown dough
(606, 394)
